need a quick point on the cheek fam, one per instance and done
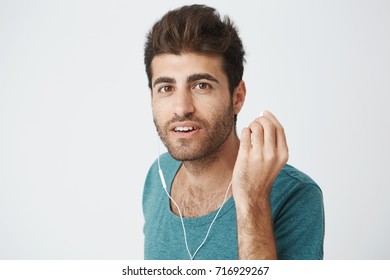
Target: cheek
(215, 106)
(160, 113)
(207, 105)
(156, 107)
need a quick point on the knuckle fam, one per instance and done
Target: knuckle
(255, 126)
(257, 157)
(284, 156)
(270, 155)
(266, 123)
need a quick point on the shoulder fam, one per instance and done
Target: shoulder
(295, 176)
(167, 164)
(294, 188)
(298, 215)
(153, 184)
(292, 179)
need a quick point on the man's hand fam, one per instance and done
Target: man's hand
(262, 154)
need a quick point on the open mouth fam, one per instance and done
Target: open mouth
(185, 128)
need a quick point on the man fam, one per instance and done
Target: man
(194, 63)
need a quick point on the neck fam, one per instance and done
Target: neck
(214, 171)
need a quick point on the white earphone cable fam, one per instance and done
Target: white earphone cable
(215, 217)
(166, 191)
(178, 209)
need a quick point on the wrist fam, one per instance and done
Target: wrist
(251, 206)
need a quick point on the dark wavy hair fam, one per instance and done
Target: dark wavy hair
(198, 29)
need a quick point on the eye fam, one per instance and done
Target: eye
(202, 86)
(165, 89)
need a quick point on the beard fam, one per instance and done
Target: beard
(206, 146)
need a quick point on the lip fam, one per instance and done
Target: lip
(184, 134)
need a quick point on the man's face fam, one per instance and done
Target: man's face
(192, 107)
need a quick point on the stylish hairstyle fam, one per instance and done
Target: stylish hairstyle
(198, 29)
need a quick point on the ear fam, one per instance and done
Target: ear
(239, 97)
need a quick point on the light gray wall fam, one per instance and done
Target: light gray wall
(77, 138)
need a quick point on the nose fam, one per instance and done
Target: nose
(184, 105)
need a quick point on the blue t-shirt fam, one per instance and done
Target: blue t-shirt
(297, 212)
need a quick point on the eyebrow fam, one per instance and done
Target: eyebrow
(201, 76)
(161, 80)
(192, 78)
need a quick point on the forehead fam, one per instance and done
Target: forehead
(186, 64)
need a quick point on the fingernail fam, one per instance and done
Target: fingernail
(262, 114)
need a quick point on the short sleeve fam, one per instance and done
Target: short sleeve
(299, 223)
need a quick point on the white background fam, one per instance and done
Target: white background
(77, 137)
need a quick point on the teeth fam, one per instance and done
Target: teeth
(184, 128)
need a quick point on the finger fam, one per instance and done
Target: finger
(257, 134)
(280, 136)
(245, 142)
(269, 131)
(272, 118)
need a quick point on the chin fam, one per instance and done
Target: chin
(180, 156)
(192, 156)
